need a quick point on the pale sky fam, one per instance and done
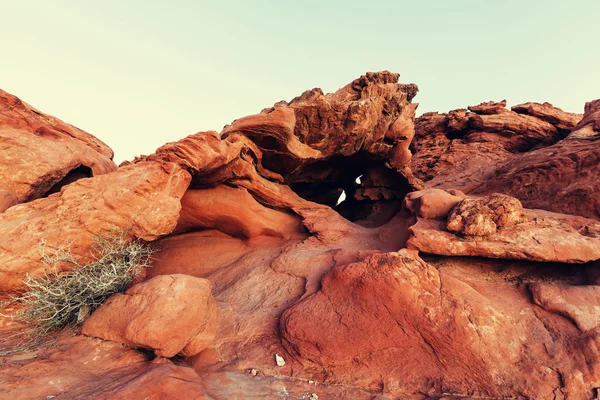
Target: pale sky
(138, 74)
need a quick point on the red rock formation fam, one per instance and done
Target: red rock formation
(461, 149)
(351, 311)
(395, 323)
(589, 126)
(94, 369)
(40, 154)
(560, 178)
(483, 217)
(432, 203)
(144, 199)
(7, 199)
(169, 314)
(544, 237)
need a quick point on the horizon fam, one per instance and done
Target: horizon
(139, 79)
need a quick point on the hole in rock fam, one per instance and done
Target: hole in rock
(75, 174)
(459, 134)
(341, 198)
(147, 353)
(361, 189)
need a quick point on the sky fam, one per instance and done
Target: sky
(138, 74)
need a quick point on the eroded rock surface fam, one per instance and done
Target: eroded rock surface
(144, 201)
(484, 216)
(170, 314)
(259, 258)
(560, 178)
(545, 157)
(7, 199)
(462, 149)
(393, 321)
(544, 237)
(432, 203)
(589, 126)
(39, 153)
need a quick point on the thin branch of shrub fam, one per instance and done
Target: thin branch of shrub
(57, 300)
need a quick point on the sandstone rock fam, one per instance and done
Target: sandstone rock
(471, 217)
(462, 149)
(481, 217)
(578, 303)
(82, 367)
(40, 154)
(546, 172)
(563, 121)
(169, 314)
(544, 237)
(7, 199)
(254, 211)
(589, 126)
(368, 122)
(142, 200)
(490, 107)
(432, 203)
(559, 178)
(450, 336)
(235, 212)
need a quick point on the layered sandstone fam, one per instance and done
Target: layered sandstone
(39, 154)
(266, 285)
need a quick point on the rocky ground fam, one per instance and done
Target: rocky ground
(461, 264)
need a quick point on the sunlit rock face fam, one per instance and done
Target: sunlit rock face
(39, 154)
(434, 277)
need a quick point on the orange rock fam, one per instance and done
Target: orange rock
(93, 369)
(234, 212)
(331, 288)
(169, 314)
(144, 200)
(40, 153)
(589, 126)
(578, 303)
(7, 199)
(544, 237)
(462, 149)
(559, 178)
(432, 203)
(563, 121)
(481, 217)
(392, 319)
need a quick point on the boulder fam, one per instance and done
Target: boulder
(39, 154)
(143, 201)
(462, 149)
(170, 314)
(432, 203)
(7, 199)
(482, 217)
(545, 237)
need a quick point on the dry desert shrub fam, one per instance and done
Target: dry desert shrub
(61, 299)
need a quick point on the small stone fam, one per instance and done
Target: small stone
(311, 382)
(279, 360)
(314, 396)
(253, 372)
